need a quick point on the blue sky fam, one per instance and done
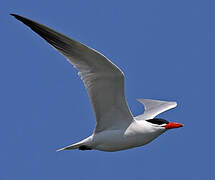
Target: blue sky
(166, 50)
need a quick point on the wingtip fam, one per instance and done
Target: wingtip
(20, 18)
(15, 15)
(24, 20)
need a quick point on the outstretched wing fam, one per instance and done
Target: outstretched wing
(154, 107)
(103, 80)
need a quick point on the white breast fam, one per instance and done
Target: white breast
(137, 134)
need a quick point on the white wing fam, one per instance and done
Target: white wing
(154, 107)
(103, 80)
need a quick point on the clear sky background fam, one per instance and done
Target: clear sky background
(166, 50)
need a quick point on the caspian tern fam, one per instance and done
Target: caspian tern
(116, 128)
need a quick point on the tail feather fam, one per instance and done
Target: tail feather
(82, 145)
(70, 147)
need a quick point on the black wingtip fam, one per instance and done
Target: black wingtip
(15, 15)
(18, 17)
(24, 20)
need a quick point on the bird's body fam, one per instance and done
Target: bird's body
(116, 128)
(137, 134)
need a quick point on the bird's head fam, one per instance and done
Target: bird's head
(164, 124)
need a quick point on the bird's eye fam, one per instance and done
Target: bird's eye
(157, 121)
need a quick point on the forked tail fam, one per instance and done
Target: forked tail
(82, 145)
(70, 147)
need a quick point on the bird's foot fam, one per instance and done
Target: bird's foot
(83, 148)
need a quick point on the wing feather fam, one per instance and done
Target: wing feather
(103, 80)
(154, 107)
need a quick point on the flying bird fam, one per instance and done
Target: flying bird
(116, 128)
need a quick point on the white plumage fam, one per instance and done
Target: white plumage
(116, 128)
